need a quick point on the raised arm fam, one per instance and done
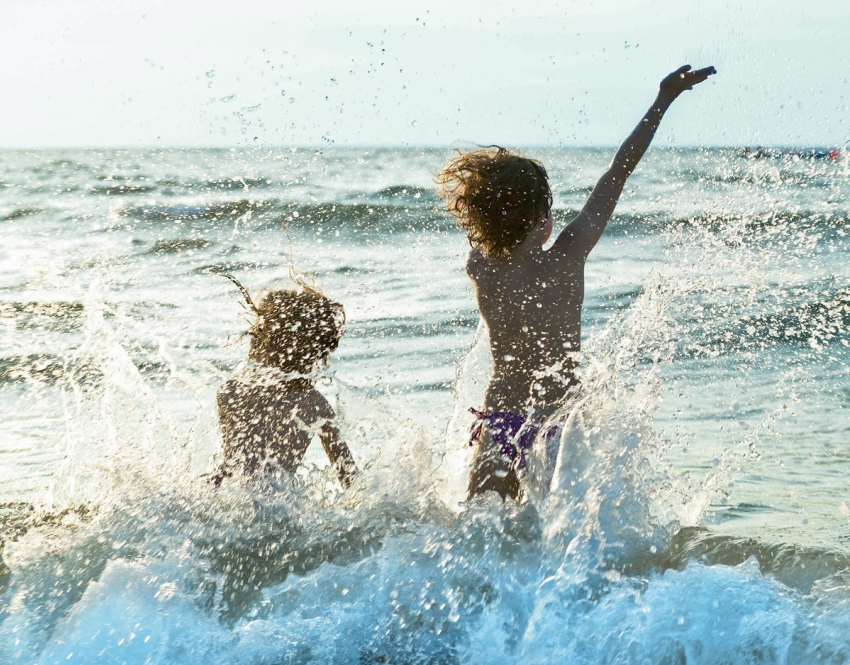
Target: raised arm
(583, 232)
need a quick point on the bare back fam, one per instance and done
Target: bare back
(269, 425)
(531, 303)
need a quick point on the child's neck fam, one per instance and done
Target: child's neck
(288, 381)
(531, 248)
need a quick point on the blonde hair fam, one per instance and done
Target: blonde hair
(496, 195)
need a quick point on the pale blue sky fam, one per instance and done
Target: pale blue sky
(163, 73)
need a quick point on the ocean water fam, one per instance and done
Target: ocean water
(697, 511)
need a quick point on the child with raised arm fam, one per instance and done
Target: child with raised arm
(529, 298)
(270, 412)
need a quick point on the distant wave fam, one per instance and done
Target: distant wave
(44, 367)
(628, 224)
(53, 369)
(814, 323)
(261, 213)
(413, 327)
(178, 245)
(229, 266)
(63, 316)
(17, 213)
(122, 189)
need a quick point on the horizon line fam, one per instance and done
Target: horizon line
(398, 146)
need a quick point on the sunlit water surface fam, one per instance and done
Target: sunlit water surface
(697, 510)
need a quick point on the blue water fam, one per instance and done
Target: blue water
(698, 511)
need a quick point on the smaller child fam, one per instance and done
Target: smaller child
(270, 412)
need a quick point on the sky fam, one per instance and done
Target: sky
(163, 73)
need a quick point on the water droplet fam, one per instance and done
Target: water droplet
(210, 73)
(413, 124)
(292, 100)
(283, 93)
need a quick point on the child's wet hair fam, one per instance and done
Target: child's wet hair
(496, 195)
(294, 329)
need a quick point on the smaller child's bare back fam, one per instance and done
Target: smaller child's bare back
(271, 412)
(266, 427)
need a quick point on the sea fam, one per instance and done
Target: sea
(694, 507)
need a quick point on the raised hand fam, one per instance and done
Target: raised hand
(683, 79)
(581, 234)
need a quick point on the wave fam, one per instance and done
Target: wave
(409, 193)
(123, 189)
(786, 153)
(769, 226)
(55, 370)
(240, 183)
(710, 329)
(230, 266)
(796, 566)
(765, 178)
(178, 245)
(18, 213)
(203, 211)
(273, 213)
(263, 213)
(577, 190)
(247, 574)
(414, 327)
(38, 367)
(66, 316)
(353, 270)
(60, 165)
(817, 323)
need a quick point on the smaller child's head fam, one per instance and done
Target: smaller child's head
(295, 330)
(497, 196)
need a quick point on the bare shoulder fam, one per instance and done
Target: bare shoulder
(566, 249)
(226, 392)
(475, 261)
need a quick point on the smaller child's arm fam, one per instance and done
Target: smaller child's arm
(338, 453)
(583, 232)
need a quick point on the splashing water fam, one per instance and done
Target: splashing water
(134, 558)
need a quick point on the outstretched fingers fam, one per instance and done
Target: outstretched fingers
(693, 78)
(703, 73)
(684, 79)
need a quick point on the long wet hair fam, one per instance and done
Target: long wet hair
(497, 196)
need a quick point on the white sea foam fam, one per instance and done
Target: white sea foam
(170, 571)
